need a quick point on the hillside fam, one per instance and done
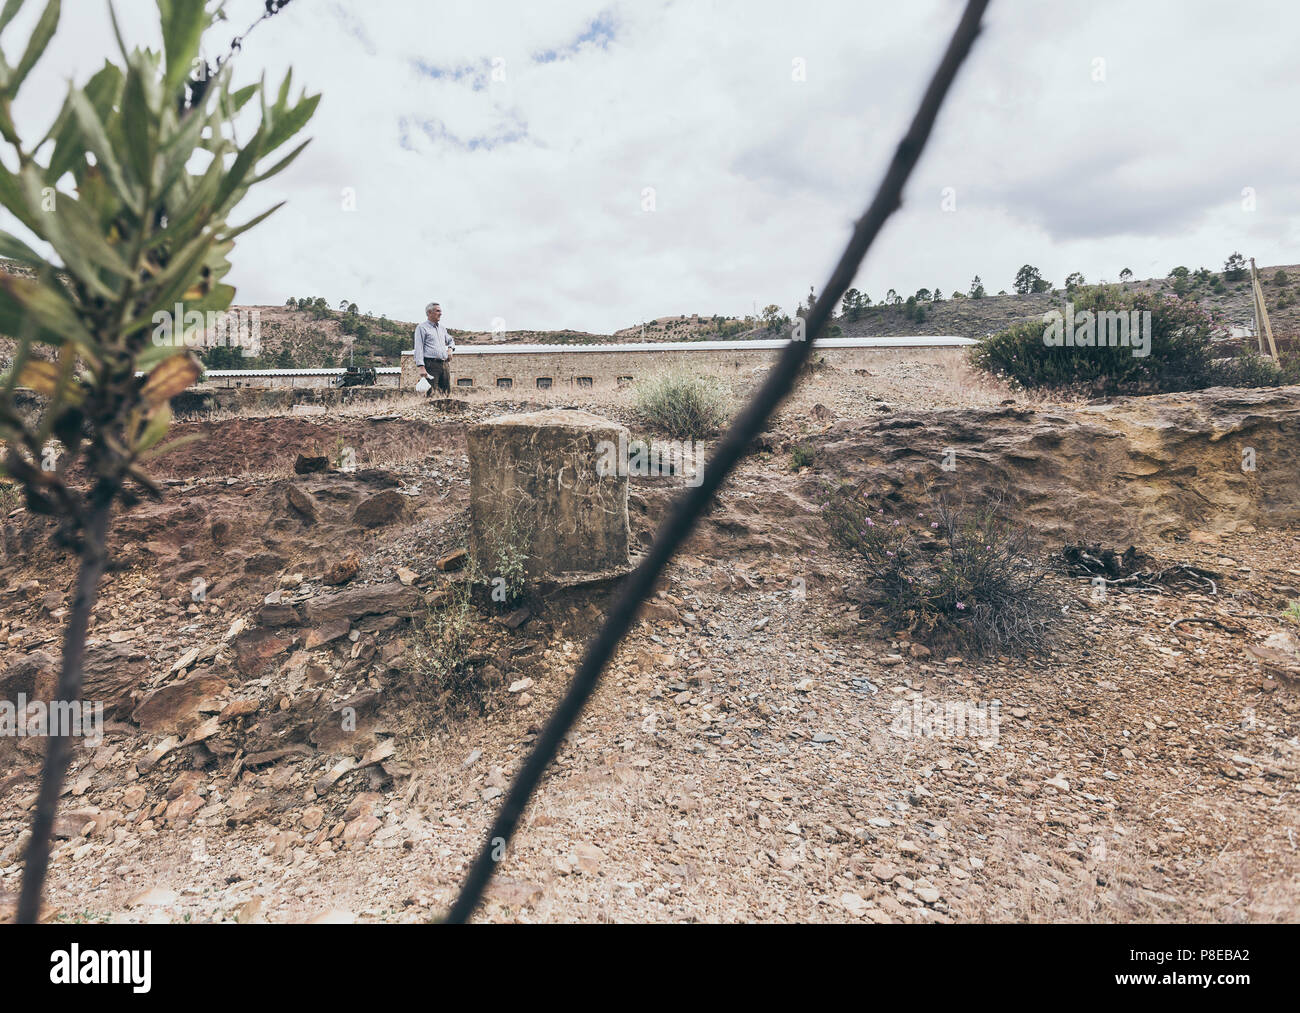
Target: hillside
(320, 340)
(315, 335)
(975, 318)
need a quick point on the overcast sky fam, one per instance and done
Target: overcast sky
(1088, 137)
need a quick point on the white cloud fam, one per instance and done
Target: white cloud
(522, 199)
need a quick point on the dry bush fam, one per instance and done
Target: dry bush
(683, 405)
(944, 571)
(448, 675)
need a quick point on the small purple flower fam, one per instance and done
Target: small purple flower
(889, 554)
(870, 524)
(934, 524)
(961, 605)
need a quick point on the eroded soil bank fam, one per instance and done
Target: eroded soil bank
(758, 751)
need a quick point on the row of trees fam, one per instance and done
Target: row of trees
(856, 302)
(1029, 280)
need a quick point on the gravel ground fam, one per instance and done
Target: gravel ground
(756, 752)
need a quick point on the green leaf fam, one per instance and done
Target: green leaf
(78, 243)
(281, 165)
(154, 353)
(41, 35)
(191, 217)
(179, 148)
(56, 322)
(102, 90)
(137, 121)
(183, 22)
(249, 224)
(117, 33)
(11, 9)
(290, 122)
(15, 249)
(244, 162)
(156, 428)
(16, 198)
(172, 283)
(96, 138)
(171, 445)
(239, 99)
(7, 129)
(82, 229)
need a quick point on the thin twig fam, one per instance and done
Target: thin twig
(730, 449)
(57, 750)
(1206, 619)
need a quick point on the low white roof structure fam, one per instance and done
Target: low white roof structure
(909, 341)
(292, 372)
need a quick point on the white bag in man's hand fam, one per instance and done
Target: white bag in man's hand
(423, 386)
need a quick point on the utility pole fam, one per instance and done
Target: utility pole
(1262, 325)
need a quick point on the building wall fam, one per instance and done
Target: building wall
(574, 368)
(479, 370)
(264, 381)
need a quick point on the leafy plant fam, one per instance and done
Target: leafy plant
(458, 682)
(802, 456)
(505, 559)
(945, 571)
(1026, 278)
(132, 187)
(1181, 355)
(682, 404)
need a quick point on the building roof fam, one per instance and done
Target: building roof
(389, 370)
(910, 341)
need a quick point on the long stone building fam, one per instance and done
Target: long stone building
(579, 367)
(548, 367)
(386, 376)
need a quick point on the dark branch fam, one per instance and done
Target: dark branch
(687, 510)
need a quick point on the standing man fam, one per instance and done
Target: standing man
(433, 348)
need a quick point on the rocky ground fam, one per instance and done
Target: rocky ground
(758, 750)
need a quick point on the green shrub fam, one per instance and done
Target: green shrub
(449, 675)
(1250, 369)
(1180, 358)
(505, 560)
(685, 406)
(963, 573)
(802, 456)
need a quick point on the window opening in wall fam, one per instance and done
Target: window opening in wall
(584, 381)
(624, 381)
(464, 381)
(544, 383)
(505, 381)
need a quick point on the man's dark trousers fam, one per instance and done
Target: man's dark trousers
(439, 376)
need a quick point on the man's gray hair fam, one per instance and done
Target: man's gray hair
(430, 306)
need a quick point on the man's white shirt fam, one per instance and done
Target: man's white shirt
(432, 342)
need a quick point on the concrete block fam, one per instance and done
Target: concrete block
(534, 486)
